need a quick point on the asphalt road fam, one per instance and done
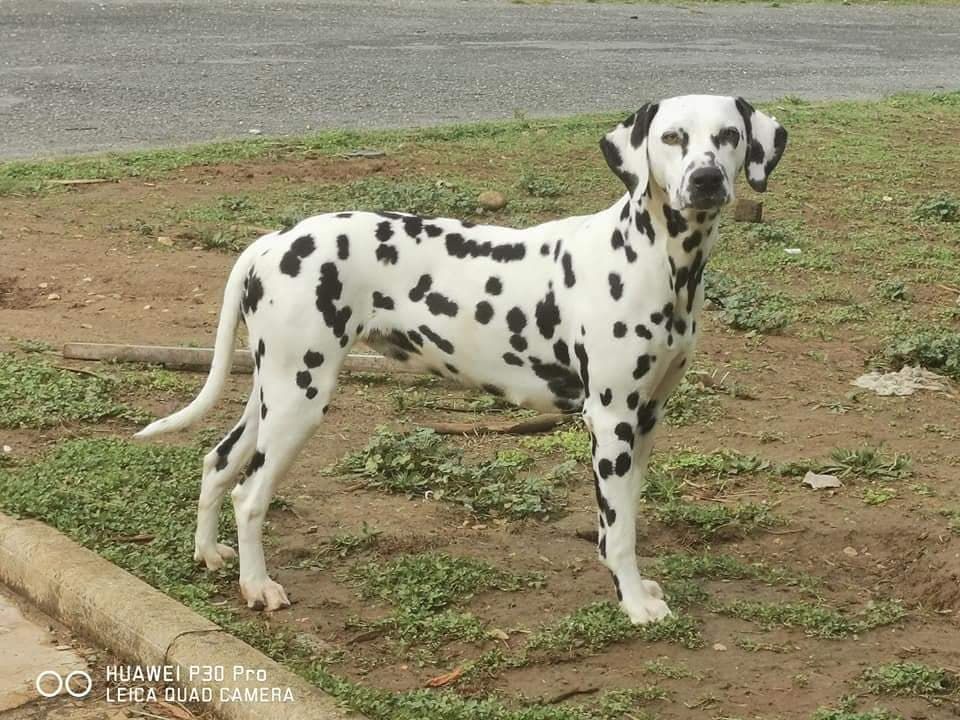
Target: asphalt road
(85, 76)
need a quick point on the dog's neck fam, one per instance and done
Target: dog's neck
(686, 238)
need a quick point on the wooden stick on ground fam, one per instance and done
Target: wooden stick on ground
(527, 426)
(184, 358)
(82, 181)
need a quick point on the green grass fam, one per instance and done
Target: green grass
(936, 349)
(711, 566)
(35, 394)
(865, 463)
(595, 626)
(848, 714)
(815, 619)
(572, 442)
(943, 208)
(346, 544)
(664, 492)
(749, 306)
(105, 493)
(423, 589)
(691, 403)
(429, 582)
(910, 679)
(423, 462)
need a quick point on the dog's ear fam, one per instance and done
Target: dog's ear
(766, 141)
(625, 148)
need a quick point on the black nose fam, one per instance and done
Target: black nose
(707, 180)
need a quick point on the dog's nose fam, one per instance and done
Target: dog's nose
(706, 180)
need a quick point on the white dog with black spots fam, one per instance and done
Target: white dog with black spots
(596, 313)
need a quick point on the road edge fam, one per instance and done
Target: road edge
(123, 614)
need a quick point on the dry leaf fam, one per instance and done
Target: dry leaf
(445, 679)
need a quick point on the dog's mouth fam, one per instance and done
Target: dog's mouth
(707, 200)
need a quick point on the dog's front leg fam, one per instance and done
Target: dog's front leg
(621, 447)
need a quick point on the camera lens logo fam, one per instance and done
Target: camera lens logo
(77, 684)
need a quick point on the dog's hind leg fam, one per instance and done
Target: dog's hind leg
(297, 402)
(221, 466)
(621, 447)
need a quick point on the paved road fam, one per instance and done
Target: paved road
(88, 75)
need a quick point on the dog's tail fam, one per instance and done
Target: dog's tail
(222, 357)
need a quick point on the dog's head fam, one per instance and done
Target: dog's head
(692, 148)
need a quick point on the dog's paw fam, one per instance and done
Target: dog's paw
(215, 556)
(646, 609)
(264, 595)
(652, 588)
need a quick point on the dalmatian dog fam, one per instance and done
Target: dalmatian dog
(596, 313)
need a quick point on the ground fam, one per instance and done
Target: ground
(409, 565)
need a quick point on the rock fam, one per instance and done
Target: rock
(850, 551)
(491, 200)
(165, 241)
(53, 296)
(750, 211)
(820, 482)
(719, 647)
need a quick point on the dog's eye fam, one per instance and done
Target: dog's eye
(670, 138)
(729, 136)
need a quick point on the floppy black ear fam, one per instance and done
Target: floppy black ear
(625, 148)
(766, 141)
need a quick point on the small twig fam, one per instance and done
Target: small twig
(367, 635)
(782, 532)
(144, 713)
(553, 700)
(81, 371)
(141, 538)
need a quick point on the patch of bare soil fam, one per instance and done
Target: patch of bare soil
(113, 285)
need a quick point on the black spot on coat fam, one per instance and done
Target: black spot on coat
(412, 225)
(224, 448)
(256, 462)
(511, 359)
(384, 231)
(676, 223)
(252, 293)
(300, 248)
(442, 343)
(343, 247)
(381, 301)
(569, 279)
(643, 365)
(418, 291)
(516, 320)
(312, 359)
(616, 286)
(548, 315)
(484, 312)
(561, 352)
(387, 254)
(441, 305)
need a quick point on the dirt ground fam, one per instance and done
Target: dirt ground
(74, 270)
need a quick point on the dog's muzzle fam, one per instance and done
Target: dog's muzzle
(706, 188)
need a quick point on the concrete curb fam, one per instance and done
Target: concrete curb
(142, 625)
